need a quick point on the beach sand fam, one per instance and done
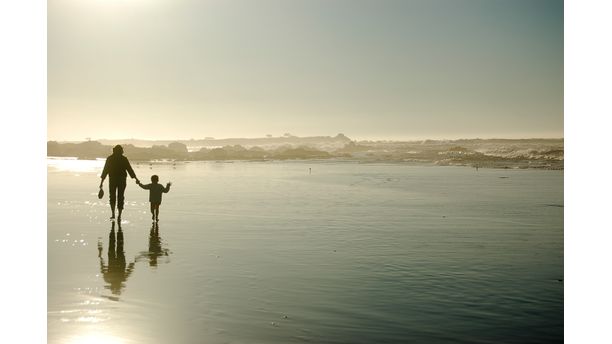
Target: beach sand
(266, 252)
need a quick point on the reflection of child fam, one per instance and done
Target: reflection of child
(155, 195)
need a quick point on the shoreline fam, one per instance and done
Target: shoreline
(554, 165)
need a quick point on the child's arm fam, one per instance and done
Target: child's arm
(146, 187)
(167, 188)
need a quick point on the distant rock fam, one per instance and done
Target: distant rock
(178, 147)
(483, 153)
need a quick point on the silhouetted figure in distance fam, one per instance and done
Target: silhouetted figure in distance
(116, 168)
(155, 194)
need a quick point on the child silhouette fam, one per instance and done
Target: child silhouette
(155, 194)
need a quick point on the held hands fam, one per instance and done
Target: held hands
(137, 181)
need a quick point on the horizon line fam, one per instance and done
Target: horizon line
(329, 136)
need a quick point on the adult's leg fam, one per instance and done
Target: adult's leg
(120, 194)
(112, 195)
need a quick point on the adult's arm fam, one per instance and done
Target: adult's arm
(128, 167)
(104, 172)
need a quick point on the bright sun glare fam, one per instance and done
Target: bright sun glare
(123, 2)
(74, 165)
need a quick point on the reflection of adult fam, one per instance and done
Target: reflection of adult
(116, 271)
(117, 167)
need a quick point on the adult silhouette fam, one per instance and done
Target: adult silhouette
(117, 167)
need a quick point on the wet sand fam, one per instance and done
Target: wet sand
(266, 252)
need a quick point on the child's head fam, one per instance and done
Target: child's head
(154, 179)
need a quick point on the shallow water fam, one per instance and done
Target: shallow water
(264, 252)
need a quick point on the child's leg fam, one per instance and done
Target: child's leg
(157, 211)
(152, 211)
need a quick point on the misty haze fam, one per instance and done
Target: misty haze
(305, 171)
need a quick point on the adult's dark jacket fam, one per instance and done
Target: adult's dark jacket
(117, 166)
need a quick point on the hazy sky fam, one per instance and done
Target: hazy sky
(165, 69)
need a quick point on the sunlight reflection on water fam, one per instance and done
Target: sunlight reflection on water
(75, 165)
(95, 338)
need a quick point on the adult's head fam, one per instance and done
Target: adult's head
(118, 150)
